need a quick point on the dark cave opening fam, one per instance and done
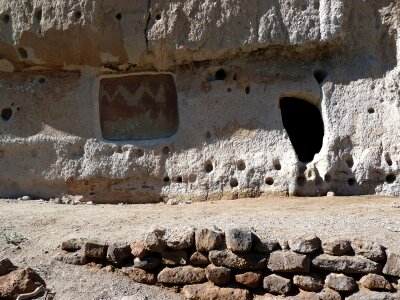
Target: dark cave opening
(303, 123)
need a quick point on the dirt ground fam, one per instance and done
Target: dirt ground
(42, 226)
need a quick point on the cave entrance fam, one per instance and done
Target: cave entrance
(303, 123)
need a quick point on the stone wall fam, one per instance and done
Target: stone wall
(237, 264)
(215, 132)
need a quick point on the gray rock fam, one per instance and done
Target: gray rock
(174, 258)
(207, 291)
(147, 263)
(95, 249)
(239, 239)
(340, 283)
(288, 261)
(208, 239)
(311, 283)
(199, 259)
(264, 245)
(72, 245)
(119, 253)
(182, 275)
(346, 264)
(305, 244)
(180, 239)
(6, 266)
(243, 261)
(218, 275)
(336, 247)
(392, 266)
(368, 295)
(154, 240)
(329, 294)
(374, 281)
(75, 258)
(277, 285)
(372, 251)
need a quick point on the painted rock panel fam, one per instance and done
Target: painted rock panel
(138, 107)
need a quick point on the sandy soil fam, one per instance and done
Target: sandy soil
(43, 226)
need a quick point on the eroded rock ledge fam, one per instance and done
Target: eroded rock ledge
(150, 101)
(236, 264)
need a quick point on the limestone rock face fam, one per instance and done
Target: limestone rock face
(206, 80)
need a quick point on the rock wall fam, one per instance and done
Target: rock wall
(84, 110)
(237, 264)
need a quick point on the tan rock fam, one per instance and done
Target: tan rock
(140, 276)
(207, 291)
(138, 249)
(374, 281)
(182, 275)
(20, 281)
(249, 279)
(218, 275)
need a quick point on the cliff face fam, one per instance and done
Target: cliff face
(143, 101)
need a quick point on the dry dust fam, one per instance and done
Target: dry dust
(42, 226)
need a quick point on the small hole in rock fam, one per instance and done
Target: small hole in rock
(220, 74)
(229, 90)
(241, 165)
(371, 110)
(139, 152)
(235, 77)
(166, 179)
(349, 162)
(247, 90)
(38, 16)
(269, 181)
(208, 135)
(42, 80)
(165, 150)
(301, 180)
(5, 18)
(22, 53)
(233, 182)
(118, 16)
(390, 178)
(388, 160)
(327, 178)
(277, 166)
(6, 114)
(92, 193)
(18, 108)
(320, 76)
(179, 179)
(208, 167)
(158, 17)
(118, 149)
(78, 15)
(351, 181)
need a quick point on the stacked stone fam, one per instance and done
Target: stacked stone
(212, 264)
